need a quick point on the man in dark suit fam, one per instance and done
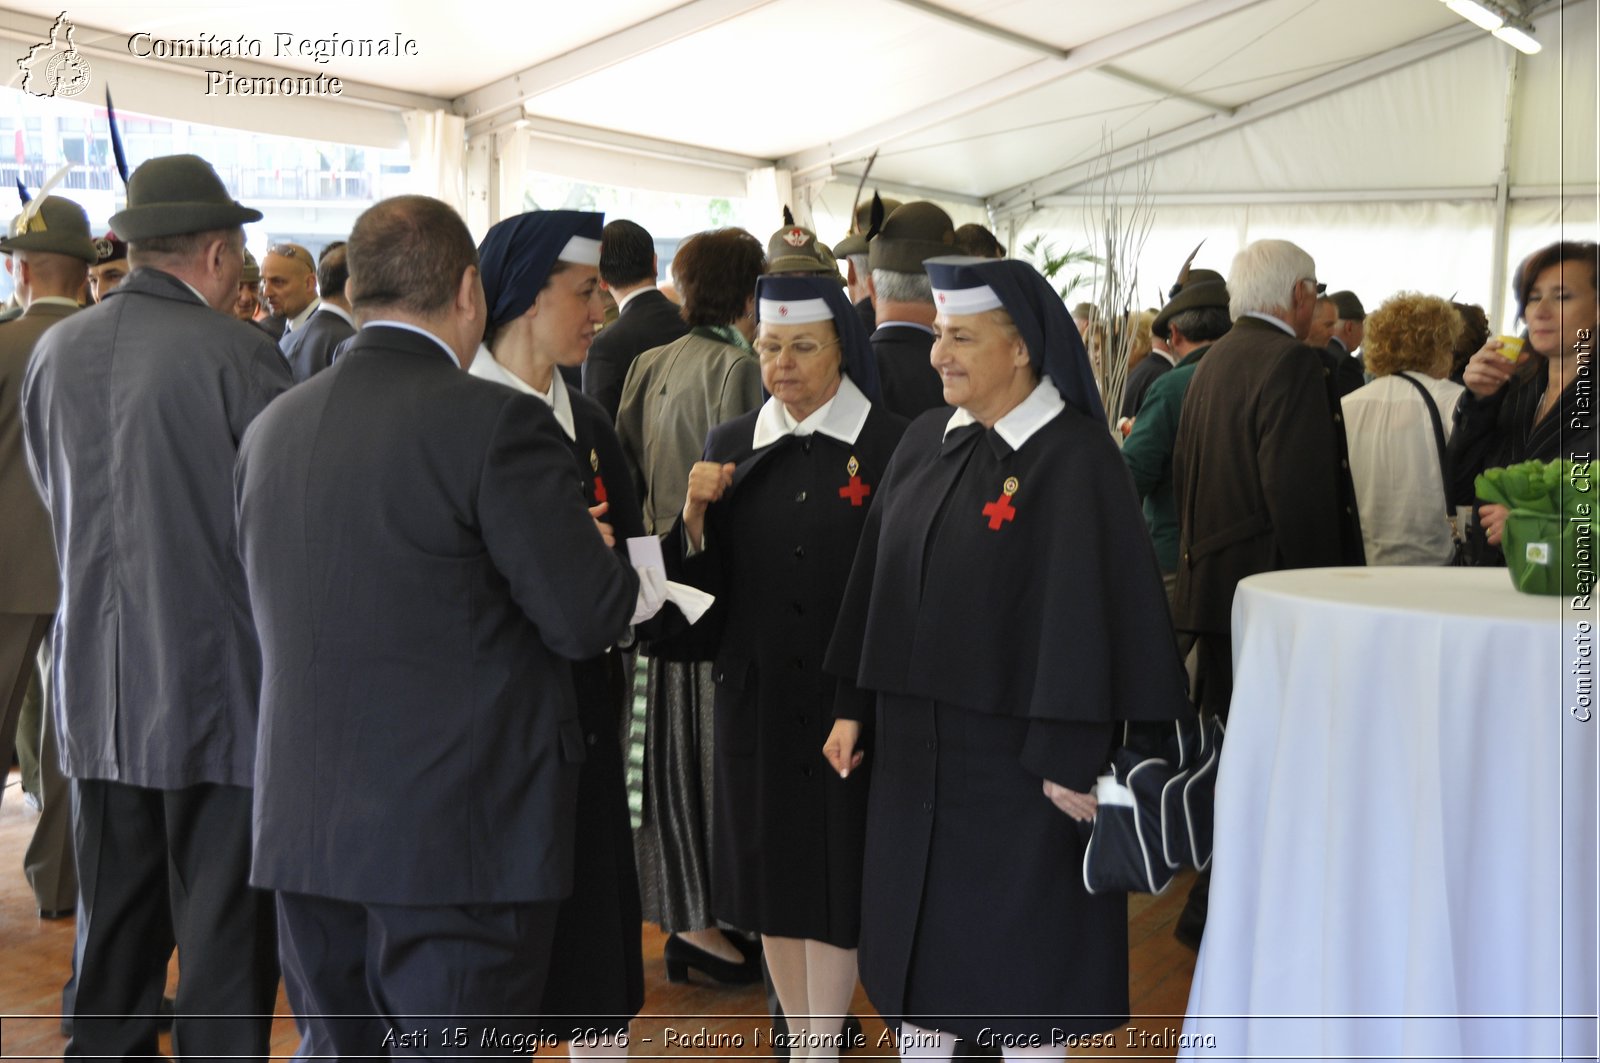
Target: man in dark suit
(1259, 469)
(646, 319)
(422, 568)
(132, 410)
(903, 338)
(49, 254)
(1349, 329)
(313, 326)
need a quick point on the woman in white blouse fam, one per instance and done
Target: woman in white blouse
(1394, 453)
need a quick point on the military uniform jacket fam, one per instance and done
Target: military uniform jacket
(911, 386)
(1148, 452)
(28, 581)
(423, 570)
(309, 348)
(1260, 473)
(649, 320)
(134, 409)
(673, 397)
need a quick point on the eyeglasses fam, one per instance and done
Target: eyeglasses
(1319, 286)
(769, 350)
(294, 251)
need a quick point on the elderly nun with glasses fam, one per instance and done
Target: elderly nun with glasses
(1007, 610)
(770, 524)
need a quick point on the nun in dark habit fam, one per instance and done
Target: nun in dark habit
(541, 283)
(770, 524)
(1007, 609)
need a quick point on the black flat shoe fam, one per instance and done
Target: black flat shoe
(683, 957)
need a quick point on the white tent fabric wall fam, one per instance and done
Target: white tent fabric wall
(1399, 175)
(439, 156)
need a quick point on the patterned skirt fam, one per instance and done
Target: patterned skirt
(672, 841)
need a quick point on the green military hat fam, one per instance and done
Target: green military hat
(251, 274)
(1197, 288)
(53, 224)
(856, 242)
(174, 195)
(795, 249)
(910, 236)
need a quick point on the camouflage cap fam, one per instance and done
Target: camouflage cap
(52, 224)
(910, 236)
(856, 242)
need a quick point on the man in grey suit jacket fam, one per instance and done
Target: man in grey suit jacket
(49, 252)
(133, 410)
(422, 569)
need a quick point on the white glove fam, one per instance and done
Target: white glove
(652, 593)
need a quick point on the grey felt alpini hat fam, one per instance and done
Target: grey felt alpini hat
(856, 242)
(175, 195)
(796, 249)
(52, 224)
(910, 236)
(1200, 288)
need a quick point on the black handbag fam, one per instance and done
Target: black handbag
(1155, 812)
(1458, 554)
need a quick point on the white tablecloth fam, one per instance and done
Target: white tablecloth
(1405, 858)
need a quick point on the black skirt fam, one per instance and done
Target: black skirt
(596, 981)
(974, 913)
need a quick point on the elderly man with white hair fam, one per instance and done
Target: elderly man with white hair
(1260, 469)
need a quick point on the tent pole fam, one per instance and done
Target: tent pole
(1502, 200)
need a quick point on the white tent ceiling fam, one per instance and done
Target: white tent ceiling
(1008, 102)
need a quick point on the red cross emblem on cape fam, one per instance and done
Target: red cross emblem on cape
(599, 484)
(855, 490)
(1001, 510)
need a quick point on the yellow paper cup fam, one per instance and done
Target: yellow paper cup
(1510, 347)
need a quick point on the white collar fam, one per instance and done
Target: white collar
(905, 324)
(419, 330)
(191, 287)
(1029, 415)
(339, 312)
(631, 296)
(53, 300)
(303, 316)
(485, 366)
(1280, 322)
(1171, 358)
(841, 417)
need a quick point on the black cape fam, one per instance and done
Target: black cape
(1045, 604)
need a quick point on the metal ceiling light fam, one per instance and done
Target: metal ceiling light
(1518, 39)
(1505, 22)
(1476, 14)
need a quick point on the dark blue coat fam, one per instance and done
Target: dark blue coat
(422, 570)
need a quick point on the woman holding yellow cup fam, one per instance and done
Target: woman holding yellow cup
(1522, 399)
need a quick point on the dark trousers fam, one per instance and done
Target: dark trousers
(376, 979)
(158, 868)
(20, 635)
